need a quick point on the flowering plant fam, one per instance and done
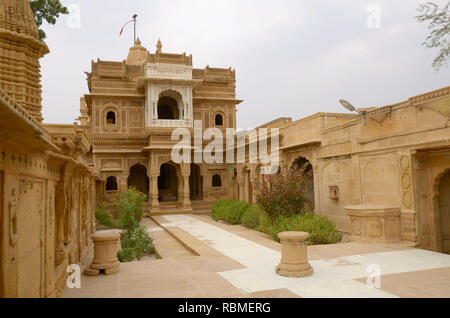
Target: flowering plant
(283, 194)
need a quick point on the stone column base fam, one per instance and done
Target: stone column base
(105, 254)
(294, 260)
(289, 270)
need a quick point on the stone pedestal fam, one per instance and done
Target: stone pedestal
(105, 254)
(294, 259)
(374, 224)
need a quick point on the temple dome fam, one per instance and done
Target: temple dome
(137, 54)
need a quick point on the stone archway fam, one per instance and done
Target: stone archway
(170, 105)
(168, 184)
(443, 205)
(138, 178)
(196, 183)
(308, 173)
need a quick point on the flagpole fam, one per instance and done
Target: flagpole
(134, 18)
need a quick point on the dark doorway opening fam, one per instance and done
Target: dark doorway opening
(168, 183)
(138, 179)
(195, 183)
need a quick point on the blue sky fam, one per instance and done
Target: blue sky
(293, 58)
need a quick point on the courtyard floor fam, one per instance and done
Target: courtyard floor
(204, 258)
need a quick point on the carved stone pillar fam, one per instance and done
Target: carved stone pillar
(185, 173)
(186, 193)
(123, 183)
(154, 202)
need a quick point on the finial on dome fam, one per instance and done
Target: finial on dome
(159, 46)
(138, 42)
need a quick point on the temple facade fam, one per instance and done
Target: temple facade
(130, 113)
(382, 175)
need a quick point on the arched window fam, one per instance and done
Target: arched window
(111, 184)
(216, 181)
(168, 108)
(111, 118)
(219, 120)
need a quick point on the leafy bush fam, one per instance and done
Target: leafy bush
(229, 211)
(130, 205)
(217, 209)
(126, 255)
(251, 217)
(265, 224)
(139, 240)
(320, 228)
(103, 217)
(136, 241)
(283, 194)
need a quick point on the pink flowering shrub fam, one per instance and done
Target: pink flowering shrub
(283, 194)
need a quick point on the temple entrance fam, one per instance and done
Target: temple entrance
(303, 163)
(138, 178)
(444, 212)
(168, 183)
(195, 183)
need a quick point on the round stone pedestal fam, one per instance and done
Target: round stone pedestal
(294, 260)
(105, 254)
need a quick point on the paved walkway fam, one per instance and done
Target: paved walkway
(204, 258)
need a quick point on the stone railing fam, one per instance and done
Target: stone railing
(171, 123)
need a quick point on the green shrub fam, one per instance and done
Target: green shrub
(265, 224)
(218, 207)
(321, 229)
(130, 205)
(251, 217)
(103, 217)
(126, 255)
(229, 211)
(139, 240)
(234, 212)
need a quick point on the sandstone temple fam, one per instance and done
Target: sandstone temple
(382, 175)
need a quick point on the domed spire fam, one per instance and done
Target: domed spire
(19, 46)
(137, 53)
(159, 46)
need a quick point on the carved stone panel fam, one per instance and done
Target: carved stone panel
(30, 241)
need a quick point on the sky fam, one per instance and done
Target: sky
(293, 58)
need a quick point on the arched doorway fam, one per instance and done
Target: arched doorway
(168, 183)
(138, 178)
(196, 183)
(444, 211)
(303, 163)
(170, 106)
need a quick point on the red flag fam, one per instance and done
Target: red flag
(124, 26)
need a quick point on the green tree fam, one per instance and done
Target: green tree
(48, 10)
(439, 24)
